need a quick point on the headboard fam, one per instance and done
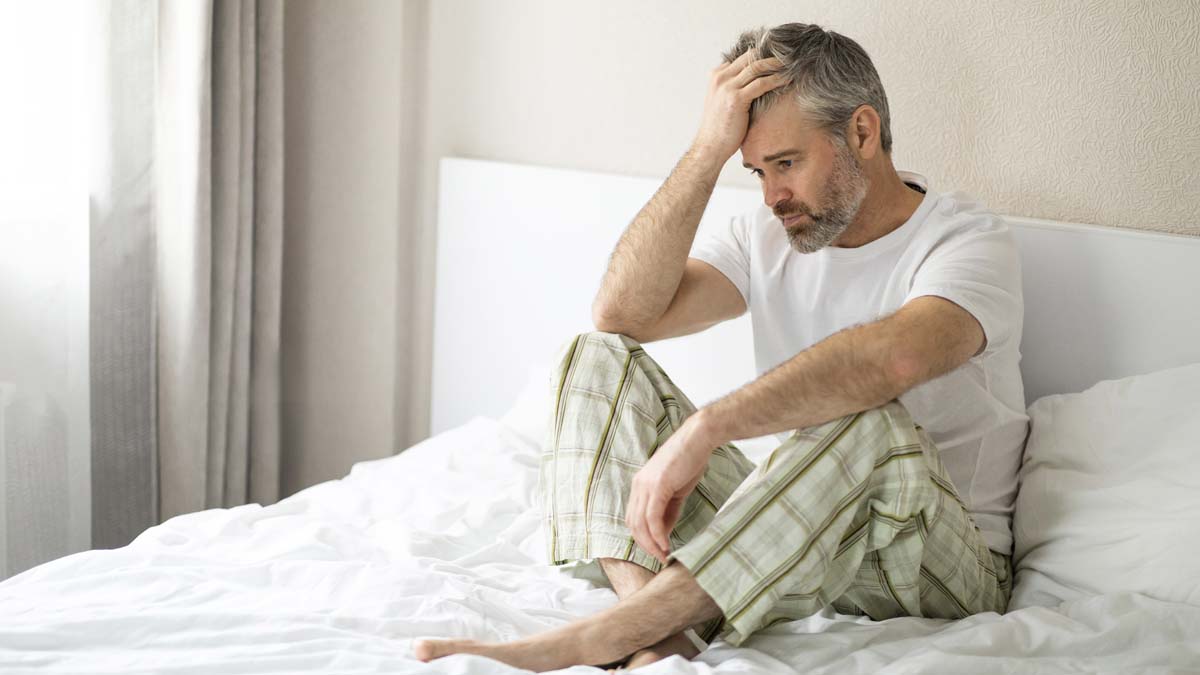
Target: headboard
(521, 251)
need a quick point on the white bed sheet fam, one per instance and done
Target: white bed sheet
(443, 540)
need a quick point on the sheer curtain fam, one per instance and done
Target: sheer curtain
(139, 304)
(44, 433)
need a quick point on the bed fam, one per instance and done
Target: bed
(443, 538)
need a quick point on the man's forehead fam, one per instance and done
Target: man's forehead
(791, 144)
(781, 129)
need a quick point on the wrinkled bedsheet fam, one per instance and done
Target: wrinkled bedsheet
(443, 540)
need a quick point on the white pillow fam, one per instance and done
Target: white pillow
(1109, 498)
(530, 413)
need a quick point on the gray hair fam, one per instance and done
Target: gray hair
(829, 75)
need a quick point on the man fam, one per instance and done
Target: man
(887, 318)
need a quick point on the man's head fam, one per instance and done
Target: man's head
(833, 112)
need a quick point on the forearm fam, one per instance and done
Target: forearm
(848, 372)
(647, 264)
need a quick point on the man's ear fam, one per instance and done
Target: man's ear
(863, 131)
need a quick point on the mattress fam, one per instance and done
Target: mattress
(444, 540)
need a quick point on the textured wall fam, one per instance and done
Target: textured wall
(1079, 111)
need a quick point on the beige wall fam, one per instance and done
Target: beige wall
(1083, 112)
(344, 232)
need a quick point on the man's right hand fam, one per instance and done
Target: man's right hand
(727, 105)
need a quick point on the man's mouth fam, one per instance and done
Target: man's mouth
(792, 220)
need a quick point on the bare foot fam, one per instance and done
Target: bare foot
(528, 654)
(676, 644)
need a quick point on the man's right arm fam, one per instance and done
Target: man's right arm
(649, 269)
(648, 262)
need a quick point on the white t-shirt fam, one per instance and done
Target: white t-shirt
(951, 247)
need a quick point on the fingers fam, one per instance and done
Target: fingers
(764, 84)
(668, 520)
(635, 520)
(639, 520)
(736, 65)
(756, 70)
(656, 511)
(672, 517)
(726, 106)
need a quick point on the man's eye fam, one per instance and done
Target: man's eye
(756, 172)
(785, 163)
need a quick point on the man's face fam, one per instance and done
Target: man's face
(814, 185)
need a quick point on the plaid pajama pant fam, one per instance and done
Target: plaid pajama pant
(857, 513)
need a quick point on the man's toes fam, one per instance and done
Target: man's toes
(422, 650)
(428, 650)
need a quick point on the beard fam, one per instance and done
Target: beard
(843, 195)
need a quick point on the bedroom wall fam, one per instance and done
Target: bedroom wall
(1072, 111)
(1083, 112)
(346, 240)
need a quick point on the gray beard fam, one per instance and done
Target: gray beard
(844, 194)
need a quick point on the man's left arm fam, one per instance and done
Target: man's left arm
(964, 298)
(850, 371)
(853, 370)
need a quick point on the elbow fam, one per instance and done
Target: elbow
(601, 316)
(903, 371)
(610, 322)
(606, 321)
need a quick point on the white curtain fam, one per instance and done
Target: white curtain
(218, 174)
(187, 250)
(44, 434)
(166, 285)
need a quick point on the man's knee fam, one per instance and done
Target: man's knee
(570, 349)
(893, 412)
(617, 340)
(890, 422)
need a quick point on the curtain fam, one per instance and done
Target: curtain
(44, 434)
(186, 253)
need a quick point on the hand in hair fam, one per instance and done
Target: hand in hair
(732, 88)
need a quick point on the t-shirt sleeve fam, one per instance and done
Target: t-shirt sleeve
(980, 271)
(725, 245)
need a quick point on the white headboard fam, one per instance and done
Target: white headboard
(521, 251)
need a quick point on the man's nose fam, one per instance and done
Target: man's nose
(774, 193)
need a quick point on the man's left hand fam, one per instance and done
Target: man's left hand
(662, 486)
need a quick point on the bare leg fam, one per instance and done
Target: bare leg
(669, 603)
(626, 579)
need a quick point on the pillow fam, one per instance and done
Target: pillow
(1109, 497)
(530, 414)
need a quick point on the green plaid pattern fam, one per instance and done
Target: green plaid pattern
(857, 513)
